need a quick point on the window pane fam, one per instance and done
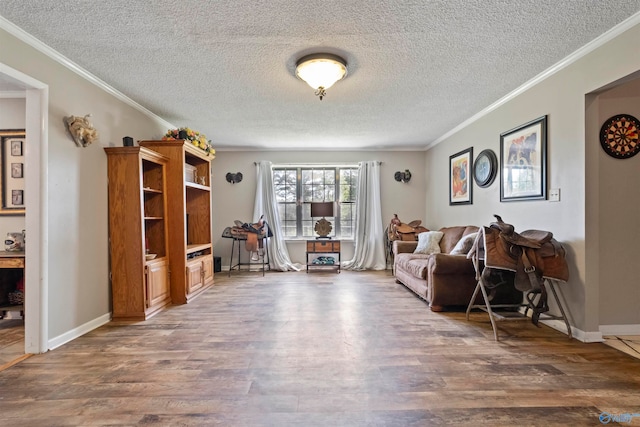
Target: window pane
(306, 211)
(290, 231)
(284, 181)
(321, 184)
(307, 229)
(330, 176)
(329, 193)
(318, 176)
(346, 210)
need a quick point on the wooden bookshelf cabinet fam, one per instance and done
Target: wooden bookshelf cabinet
(189, 213)
(137, 225)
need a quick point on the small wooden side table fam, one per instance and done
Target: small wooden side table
(323, 247)
(12, 260)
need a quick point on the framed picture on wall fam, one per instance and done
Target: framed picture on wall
(12, 182)
(17, 197)
(460, 181)
(523, 159)
(16, 147)
(16, 170)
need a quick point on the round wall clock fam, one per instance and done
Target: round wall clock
(485, 168)
(619, 136)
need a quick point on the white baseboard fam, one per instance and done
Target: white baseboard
(594, 336)
(620, 329)
(79, 331)
(576, 333)
(589, 336)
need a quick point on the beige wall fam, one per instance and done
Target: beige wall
(619, 223)
(235, 201)
(562, 98)
(77, 186)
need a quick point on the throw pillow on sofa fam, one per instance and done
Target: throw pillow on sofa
(464, 244)
(429, 242)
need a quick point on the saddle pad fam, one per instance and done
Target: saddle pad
(496, 253)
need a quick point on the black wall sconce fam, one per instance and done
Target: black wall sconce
(234, 177)
(403, 176)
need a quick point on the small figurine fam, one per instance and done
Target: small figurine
(14, 242)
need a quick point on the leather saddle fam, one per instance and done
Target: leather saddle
(253, 233)
(531, 256)
(399, 230)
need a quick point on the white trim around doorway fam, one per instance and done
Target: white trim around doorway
(36, 253)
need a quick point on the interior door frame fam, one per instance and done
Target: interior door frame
(36, 94)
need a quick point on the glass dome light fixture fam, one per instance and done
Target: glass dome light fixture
(321, 71)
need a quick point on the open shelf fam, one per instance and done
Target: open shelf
(12, 307)
(198, 247)
(197, 186)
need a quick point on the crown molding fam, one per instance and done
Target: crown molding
(599, 41)
(35, 43)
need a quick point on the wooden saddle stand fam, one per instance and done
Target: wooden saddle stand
(529, 260)
(255, 236)
(253, 233)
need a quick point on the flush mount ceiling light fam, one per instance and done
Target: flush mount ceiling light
(321, 71)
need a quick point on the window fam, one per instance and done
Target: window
(297, 187)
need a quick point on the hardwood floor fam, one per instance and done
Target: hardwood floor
(11, 341)
(629, 344)
(319, 349)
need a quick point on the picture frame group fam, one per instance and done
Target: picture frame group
(522, 166)
(12, 181)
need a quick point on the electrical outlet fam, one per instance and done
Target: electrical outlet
(554, 195)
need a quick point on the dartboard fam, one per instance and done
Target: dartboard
(619, 136)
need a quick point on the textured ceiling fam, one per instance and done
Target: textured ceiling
(417, 69)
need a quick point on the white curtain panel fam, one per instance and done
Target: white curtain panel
(266, 204)
(369, 236)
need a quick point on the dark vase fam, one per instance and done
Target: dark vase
(182, 134)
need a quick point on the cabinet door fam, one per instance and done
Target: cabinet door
(157, 283)
(207, 263)
(194, 276)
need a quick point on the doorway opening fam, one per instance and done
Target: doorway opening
(36, 94)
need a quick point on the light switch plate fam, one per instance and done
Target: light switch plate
(554, 195)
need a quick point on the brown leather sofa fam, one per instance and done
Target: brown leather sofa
(443, 280)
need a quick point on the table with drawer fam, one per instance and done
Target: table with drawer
(323, 248)
(15, 262)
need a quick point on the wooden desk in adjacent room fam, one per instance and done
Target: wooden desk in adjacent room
(10, 260)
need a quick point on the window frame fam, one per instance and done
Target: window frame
(338, 220)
